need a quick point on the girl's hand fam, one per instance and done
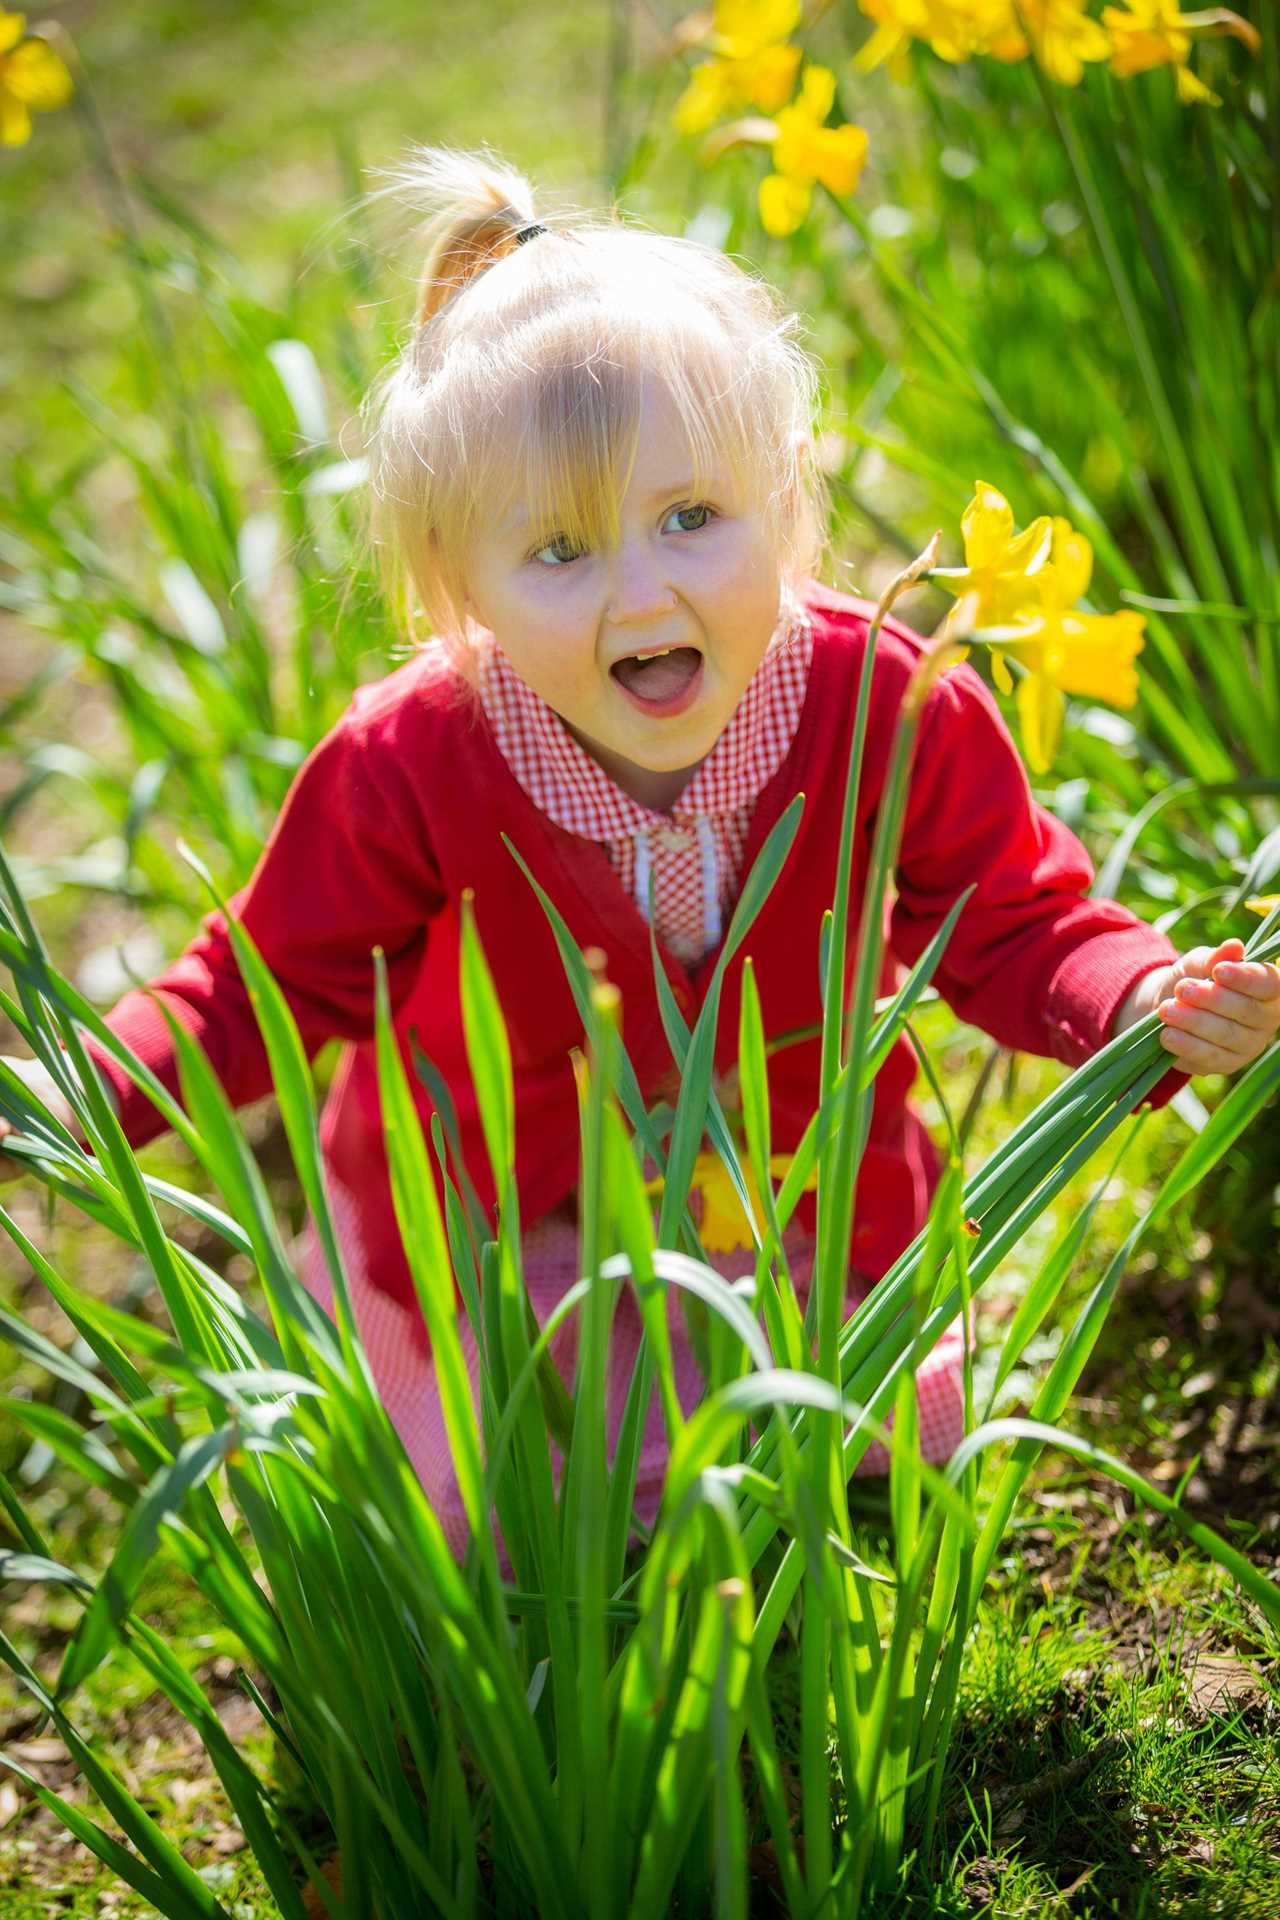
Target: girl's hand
(41, 1083)
(1220, 1011)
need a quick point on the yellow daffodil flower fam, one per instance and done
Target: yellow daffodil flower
(724, 1227)
(806, 150)
(1063, 37)
(955, 29)
(1156, 33)
(1090, 654)
(784, 203)
(998, 564)
(32, 79)
(743, 27)
(898, 23)
(1263, 903)
(752, 64)
(1064, 651)
(1020, 591)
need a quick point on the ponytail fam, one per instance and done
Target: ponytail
(477, 210)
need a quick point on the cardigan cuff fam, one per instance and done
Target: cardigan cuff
(1091, 985)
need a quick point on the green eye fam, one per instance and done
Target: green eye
(561, 550)
(691, 519)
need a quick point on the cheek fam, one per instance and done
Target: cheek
(554, 655)
(751, 574)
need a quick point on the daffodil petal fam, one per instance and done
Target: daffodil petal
(1099, 652)
(841, 158)
(817, 92)
(1008, 46)
(900, 63)
(1040, 710)
(749, 25)
(1072, 560)
(1030, 551)
(780, 1165)
(783, 203)
(987, 525)
(15, 121)
(37, 77)
(706, 97)
(772, 76)
(12, 28)
(886, 43)
(1193, 92)
(724, 1226)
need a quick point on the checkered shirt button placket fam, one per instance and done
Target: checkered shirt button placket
(692, 857)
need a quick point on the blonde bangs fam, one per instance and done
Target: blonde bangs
(567, 457)
(576, 446)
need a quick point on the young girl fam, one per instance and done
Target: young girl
(592, 480)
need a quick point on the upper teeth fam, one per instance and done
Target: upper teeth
(660, 654)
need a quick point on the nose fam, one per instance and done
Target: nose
(639, 589)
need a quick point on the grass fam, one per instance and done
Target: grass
(1097, 1769)
(246, 117)
(1085, 1759)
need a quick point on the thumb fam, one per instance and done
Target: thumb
(1200, 962)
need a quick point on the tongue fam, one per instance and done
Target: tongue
(662, 677)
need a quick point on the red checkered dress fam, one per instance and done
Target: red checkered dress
(691, 858)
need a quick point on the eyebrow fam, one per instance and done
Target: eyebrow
(518, 520)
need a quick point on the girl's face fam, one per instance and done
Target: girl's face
(644, 649)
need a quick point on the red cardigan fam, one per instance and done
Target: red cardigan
(403, 805)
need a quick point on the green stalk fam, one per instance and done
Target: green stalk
(586, 1469)
(1192, 517)
(841, 1157)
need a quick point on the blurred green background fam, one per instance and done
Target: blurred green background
(256, 117)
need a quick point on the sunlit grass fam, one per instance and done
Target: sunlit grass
(213, 692)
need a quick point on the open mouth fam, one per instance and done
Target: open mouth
(662, 682)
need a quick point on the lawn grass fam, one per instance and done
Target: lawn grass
(1118, 1746)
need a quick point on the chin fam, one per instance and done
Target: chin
(678, 755)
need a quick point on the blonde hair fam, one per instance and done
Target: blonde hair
(524, 374)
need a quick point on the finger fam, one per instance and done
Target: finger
(1240, 1007)
(1194, 1055)
(1195, 964)
(1205, 1025)
(1257, 978)
(1198, 963)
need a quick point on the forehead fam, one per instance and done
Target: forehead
(581, 459)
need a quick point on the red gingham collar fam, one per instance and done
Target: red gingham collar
(564, 782)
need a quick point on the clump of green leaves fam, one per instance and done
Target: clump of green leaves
(570, 1741)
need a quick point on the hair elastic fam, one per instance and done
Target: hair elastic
(530, 232)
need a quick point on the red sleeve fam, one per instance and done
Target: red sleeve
(347, 867)
(1033, 960)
